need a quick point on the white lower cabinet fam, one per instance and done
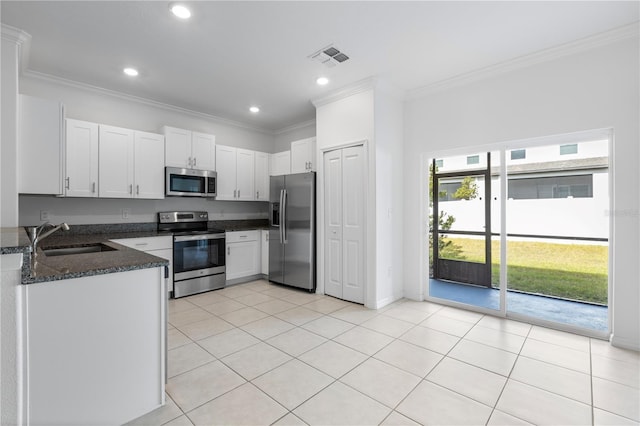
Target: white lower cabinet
(94, 348)
(243, 254)
(264, 252)
(156, 246)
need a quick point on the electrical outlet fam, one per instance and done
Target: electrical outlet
(126, 213)
(44, 215)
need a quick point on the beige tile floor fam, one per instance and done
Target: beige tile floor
(260, 354)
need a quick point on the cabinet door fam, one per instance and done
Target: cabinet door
(203, 151)
(264, 251)
(281, 163)
(303, 155)
(40, 146)
(116, 162)
(149, 165)
(242, 259)
(262, 176)
(226, 168)
(177, 147)
(245, 174)
(81, 178)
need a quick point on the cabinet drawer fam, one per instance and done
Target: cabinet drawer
(239, 236)
(147, 243)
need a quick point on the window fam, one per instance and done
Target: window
(518, 154)
(569, 149)
(473, 159)
(579, 186)
(439, 163)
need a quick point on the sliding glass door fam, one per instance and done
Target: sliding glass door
(555, 233)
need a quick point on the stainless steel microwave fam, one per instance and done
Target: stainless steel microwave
(190, 182)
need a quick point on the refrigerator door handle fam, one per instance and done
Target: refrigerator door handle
(281, 226)
(283, 207)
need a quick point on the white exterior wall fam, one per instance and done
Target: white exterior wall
(568, 217)
(590, 89)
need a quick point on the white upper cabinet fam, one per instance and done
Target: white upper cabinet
(187, 149)
(226, 168)
(262, 176)
(303, 153)
(116, 162)
(203, 151)
(148, 175)
(131, 164)
(81, 176)
(40, 146)
(281, 163)
(245, 174)
(235, 167)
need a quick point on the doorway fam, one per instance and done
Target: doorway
(526, 235)
(472, 186)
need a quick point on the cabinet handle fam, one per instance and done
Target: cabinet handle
(243, 236)
(234, 193)
(238, 193)
(189, 161)
(67, 183)
(131, 189)
(137, 189)
(194, 161)
(257, 194)
(93, 187)
(228, 251)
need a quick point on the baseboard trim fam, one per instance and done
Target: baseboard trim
(242, 280)
(623, 343)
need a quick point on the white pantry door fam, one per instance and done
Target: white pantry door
(344, 223)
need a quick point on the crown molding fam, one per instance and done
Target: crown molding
(364, 85)
(131, 98)
(14, 34)
(295, 127)
(22, 40)
(587, 43)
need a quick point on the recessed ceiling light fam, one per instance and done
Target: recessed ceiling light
(132, 72)
(180, 11)
(254, 109)
(322, 81)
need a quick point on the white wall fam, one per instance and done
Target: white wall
(284, 138)
(105, 108)
(373, 115)
(9, 133)
(344, 121)
(389, 111)
(80, 211)
(592, 89)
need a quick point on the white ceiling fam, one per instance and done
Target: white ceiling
(234, 54)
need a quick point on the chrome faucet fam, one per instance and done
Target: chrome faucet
(36, 234)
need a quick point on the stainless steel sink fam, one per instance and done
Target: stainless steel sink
(66, 251)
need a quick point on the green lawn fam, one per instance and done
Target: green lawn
(572, 271)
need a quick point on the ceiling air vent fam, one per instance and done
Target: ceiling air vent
(329, 56)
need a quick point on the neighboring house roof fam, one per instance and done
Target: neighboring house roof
(557, 166)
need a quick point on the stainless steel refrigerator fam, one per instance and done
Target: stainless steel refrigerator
(292, 230)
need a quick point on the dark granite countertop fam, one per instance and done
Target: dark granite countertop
(53, 268)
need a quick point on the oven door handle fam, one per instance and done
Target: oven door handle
(182, 238)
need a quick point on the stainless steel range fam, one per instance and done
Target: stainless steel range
(198, 252)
